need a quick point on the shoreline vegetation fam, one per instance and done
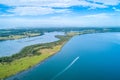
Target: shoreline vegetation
(12, 34)
(13, 37)
(31, 55)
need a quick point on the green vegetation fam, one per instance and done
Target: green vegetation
(12, 37)
(30, 56)
(9, 34)
(8, 69)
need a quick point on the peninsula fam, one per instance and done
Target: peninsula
(31, 55)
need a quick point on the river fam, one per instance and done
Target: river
(10, 47)
(84, 57)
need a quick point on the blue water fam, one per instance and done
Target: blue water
(10, 47)
(84, 57)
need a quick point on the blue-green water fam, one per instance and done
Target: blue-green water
(84, 57)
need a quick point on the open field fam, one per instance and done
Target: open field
(12, 37)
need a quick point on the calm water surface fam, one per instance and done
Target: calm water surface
(10, 47)
(84, 57)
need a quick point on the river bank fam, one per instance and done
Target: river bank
(30, 56)
(6, 49)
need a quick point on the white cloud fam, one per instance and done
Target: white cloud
(100, 20)
(118, 10)
(50, 3)
(107, 2)
(42, 7)
(31, 11)
(21, 11)
(101, 15)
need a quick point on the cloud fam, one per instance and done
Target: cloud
(50, 3)
(34, 11)
(57, 11)
(100, 15)
(107, 2)
(43, 7)
(99, 20)
(118, 10)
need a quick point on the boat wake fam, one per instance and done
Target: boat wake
(66, 68)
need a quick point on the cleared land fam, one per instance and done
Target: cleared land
(12, 37)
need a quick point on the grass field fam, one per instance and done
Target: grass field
(12, 37)
(27, 62)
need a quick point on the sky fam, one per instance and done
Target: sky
(59, 13)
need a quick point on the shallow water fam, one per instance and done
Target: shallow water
(84, 57)
(10, 47)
